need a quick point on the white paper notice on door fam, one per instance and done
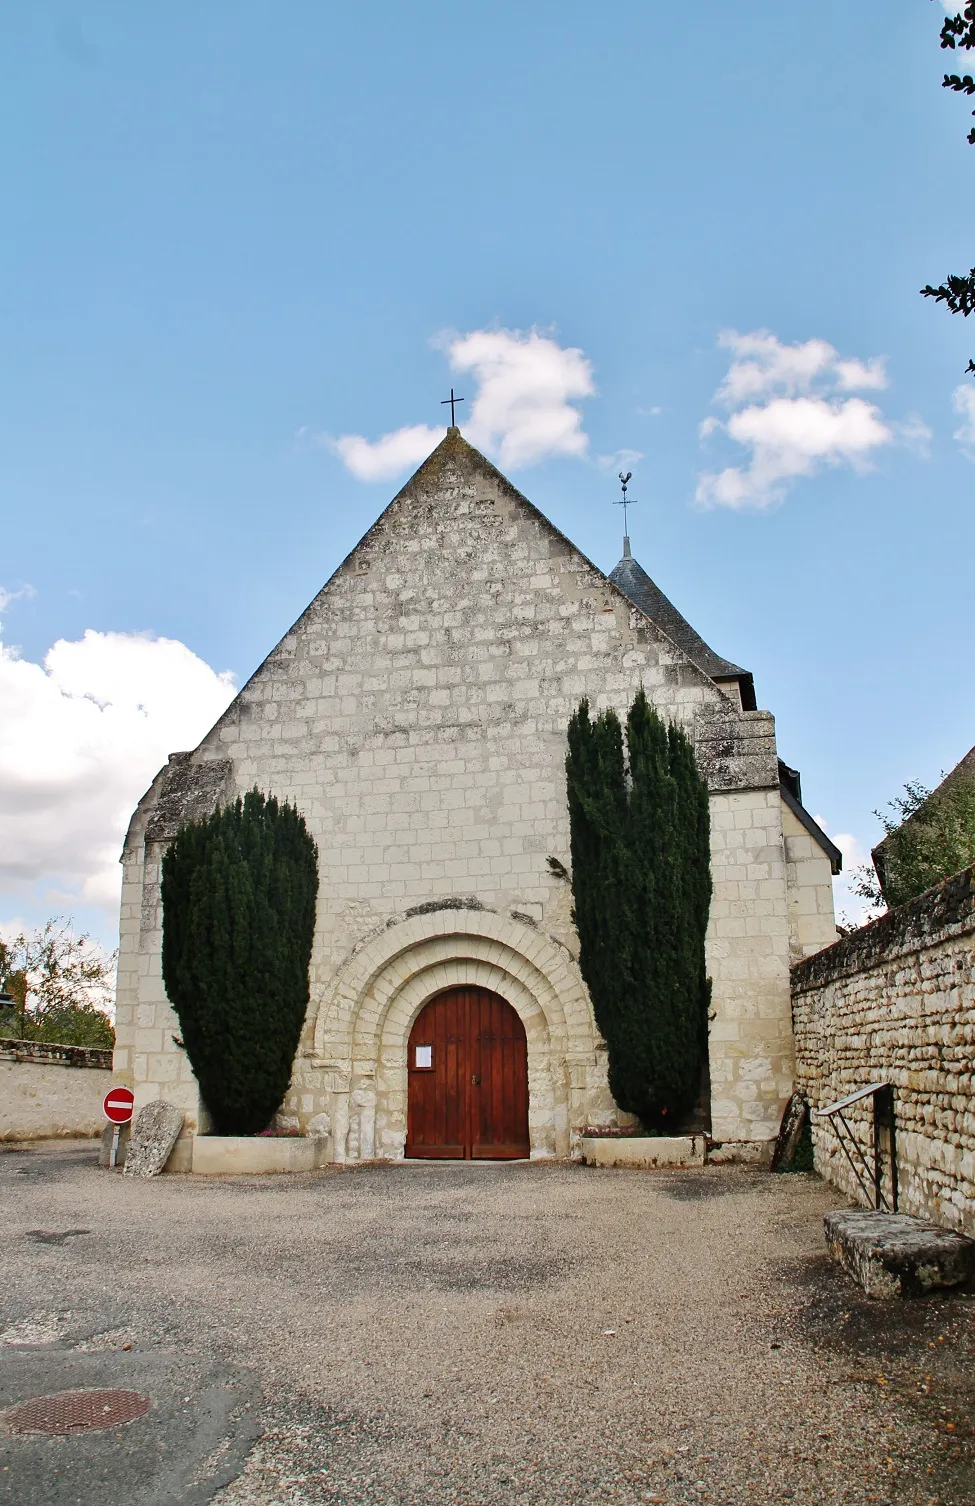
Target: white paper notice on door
(424, 1056)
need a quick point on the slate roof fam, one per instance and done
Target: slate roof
(790, 788)
(631, 578)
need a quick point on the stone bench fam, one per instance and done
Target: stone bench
(894, 1255)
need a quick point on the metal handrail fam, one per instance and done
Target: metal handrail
(883, 1118)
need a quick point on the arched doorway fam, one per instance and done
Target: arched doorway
(468, 1079)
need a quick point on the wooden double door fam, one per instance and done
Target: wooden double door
(468, 1079)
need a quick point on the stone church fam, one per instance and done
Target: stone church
(416, 715)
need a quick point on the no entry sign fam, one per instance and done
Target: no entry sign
(117, 1105)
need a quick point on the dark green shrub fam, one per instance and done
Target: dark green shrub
(641, 888)
(238, 892)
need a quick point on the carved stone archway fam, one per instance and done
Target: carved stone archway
(363, 1026)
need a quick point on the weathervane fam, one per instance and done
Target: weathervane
(452, 401)
(625, 502)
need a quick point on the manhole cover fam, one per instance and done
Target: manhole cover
(71, 1411)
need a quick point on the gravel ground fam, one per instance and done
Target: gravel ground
(477, 1334)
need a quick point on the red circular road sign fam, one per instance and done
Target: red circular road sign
(117, 1105)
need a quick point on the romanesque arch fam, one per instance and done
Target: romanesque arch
(363, 1026)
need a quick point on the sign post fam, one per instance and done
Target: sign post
(117, 1106)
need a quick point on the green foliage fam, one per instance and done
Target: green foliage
(641, 888)
(929, 838)
(239, 891)
(957, 293)
(62, 986)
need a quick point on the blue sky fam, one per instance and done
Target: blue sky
(237, 232)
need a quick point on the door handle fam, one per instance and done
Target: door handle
(475, 1080)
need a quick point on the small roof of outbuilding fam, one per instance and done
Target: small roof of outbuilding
(962, 773)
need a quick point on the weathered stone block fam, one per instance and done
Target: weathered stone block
(255, 1155)
(894, 1255)
(646, 1151)
(156, 1132)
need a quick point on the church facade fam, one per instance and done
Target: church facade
(416, 715)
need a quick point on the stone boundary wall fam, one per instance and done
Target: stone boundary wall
(43, 1051)
(52, 1092)
(895, 1002)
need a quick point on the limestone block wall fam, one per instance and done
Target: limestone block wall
(895, 1002)
(751, 1052)
(416, 715)
(52, 1092)
(812, 918)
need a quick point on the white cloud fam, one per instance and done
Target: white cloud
(22, 593)
(915, 435)
(619, 458)
(789, 438)
(790, 414)
(81, 737)
(522, 410)
(851, 908)
(400, 451)
(851, 375)
(526, 385)
(963, 402)
(761, 365)
(854, 853)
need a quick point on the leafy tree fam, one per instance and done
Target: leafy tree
(62, 984)
(929, 838)
(239, 891)
(641, 889)
(957, 293)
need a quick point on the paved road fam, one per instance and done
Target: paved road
(485, 1335)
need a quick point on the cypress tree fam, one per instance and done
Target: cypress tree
(641, 886)
(239, 890)
(596, 785)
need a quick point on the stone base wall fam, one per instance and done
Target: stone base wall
(52, 1092)
(895, 1003)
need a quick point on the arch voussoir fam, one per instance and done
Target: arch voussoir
(363, 1026)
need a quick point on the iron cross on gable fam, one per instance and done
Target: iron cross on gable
(452, 401)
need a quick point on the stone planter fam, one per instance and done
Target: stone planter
(647, 1151)
(255, 1155)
